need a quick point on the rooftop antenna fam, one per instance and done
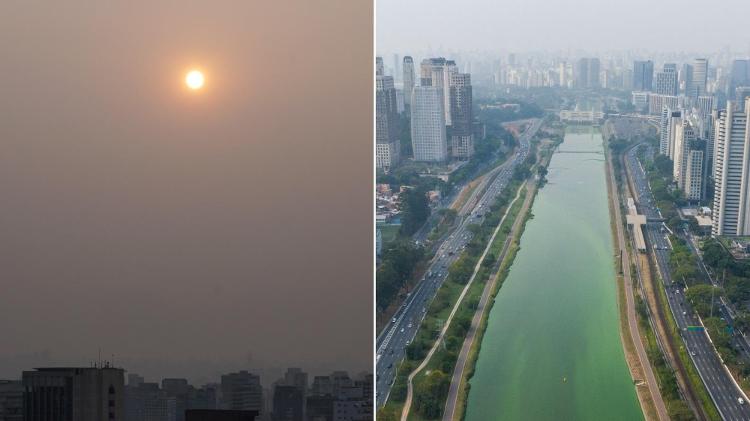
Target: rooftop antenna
(100, 357)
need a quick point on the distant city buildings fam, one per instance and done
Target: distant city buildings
(100, 394)
(643, 74)
(74, 394)
(387, 145)
(408, 79)
(462, 138)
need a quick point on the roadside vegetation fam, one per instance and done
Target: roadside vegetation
(431, 385)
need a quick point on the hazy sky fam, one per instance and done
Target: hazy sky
(534, 25)
(186, 234)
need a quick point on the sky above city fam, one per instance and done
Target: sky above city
(575, 25)
(186, 233)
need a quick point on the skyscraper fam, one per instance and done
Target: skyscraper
(288, 403)
(241, 391)
(666, 81)
(582, 73)
(387, 145)
(697, 85)
(740, 76)
(462, 142)
(379, 70)
(593, 73)
(643, 74)
(436, 72)
(408, 79)
(396, 67)
(730, 207)
(428, 135)
(74, 394)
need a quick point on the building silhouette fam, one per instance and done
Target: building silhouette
(74, 394)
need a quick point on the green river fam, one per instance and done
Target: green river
(552, 348)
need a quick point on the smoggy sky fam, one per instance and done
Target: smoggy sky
(186, 234)
(588, 25)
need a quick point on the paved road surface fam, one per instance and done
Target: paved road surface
(720, 384)
(392, 342)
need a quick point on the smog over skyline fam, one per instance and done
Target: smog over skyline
(186, 233)
(537, 25)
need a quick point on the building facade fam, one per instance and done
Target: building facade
(428, 134)
(74, 394)
(730, 215)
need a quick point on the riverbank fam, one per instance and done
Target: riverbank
(651, 401)
(456, 402)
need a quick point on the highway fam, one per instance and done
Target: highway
(392, 342)
(721, 386)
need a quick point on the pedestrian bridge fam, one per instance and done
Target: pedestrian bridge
(596, 152)
(637, 221)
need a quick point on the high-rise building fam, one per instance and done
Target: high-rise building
(387, 145)
(396, 67)
(408, 79)
(437, 72)
(740, 76)
(11, 400)
(683, 140)
(379, 69)
(697, 86)
(288, 403)
(74, 394)
(643, 74)
(692, 183)
(462, 142)
(731, 200)
(428, 135)
(741, 93)
(657, 102)
(664, 125)
(685, 77)
(582, 73)
(666, 81)
(241, 391)
(593, 73)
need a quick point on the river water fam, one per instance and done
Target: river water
(552, 348)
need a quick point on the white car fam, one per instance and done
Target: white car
(740, 401)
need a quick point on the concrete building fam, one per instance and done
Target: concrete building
(408, 79)
(428, 134)
(666, 81)
(11, 400)
(643, 75)
(288, 403)
(664, 121)
(731, 201)
(699, 81)
(74, 394)
(692, 184)
(740, 76)
(437, 72)
(379, 69)
(640, 100)
(241, 391)
(387, 144)
(683, 138)
(657, 102)
(462, 139)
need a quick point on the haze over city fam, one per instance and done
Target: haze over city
(185, 233)
(571, 25)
